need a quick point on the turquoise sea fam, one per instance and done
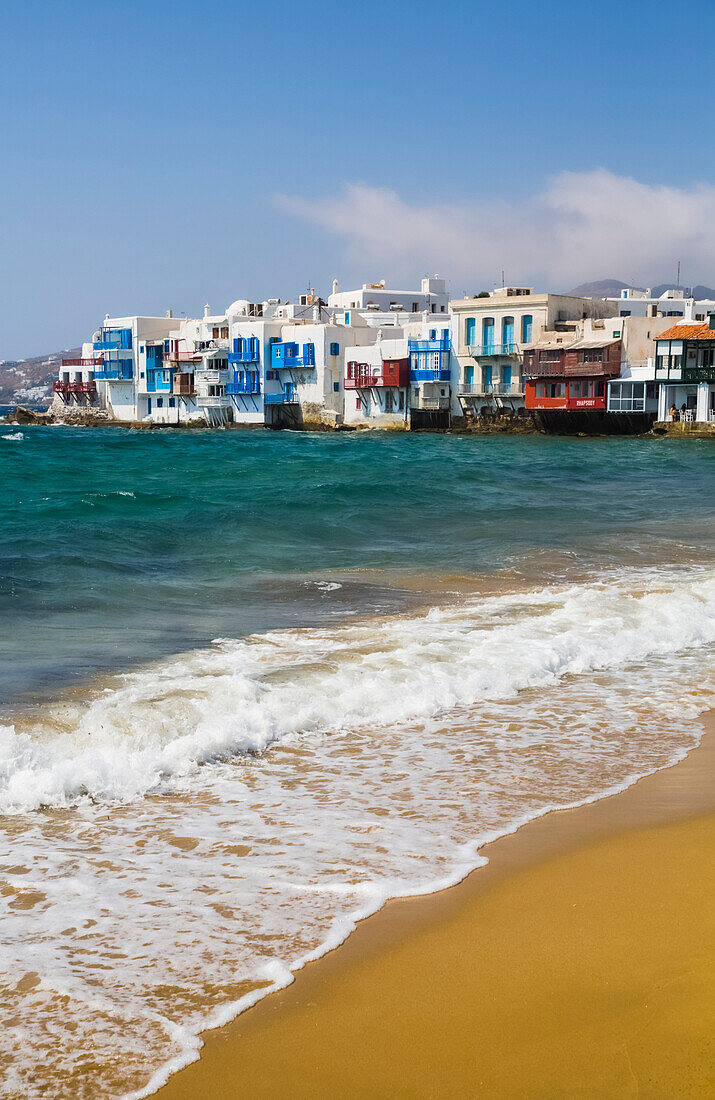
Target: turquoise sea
(253, 683)
(117, 547)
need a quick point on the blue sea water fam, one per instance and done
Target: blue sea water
(117, 546)
(253, 684)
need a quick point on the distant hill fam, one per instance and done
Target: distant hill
(29, 381)
(611, 288)
(602, 288)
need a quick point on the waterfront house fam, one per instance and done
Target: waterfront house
(377, 382)
(685, 369)
(490, 332)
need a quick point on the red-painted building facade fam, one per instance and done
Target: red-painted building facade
(570, 376)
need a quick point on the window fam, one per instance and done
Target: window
(616, 334)
(141, 374)
(433, 308)
(160, 402)
(507, 333)
(470, 326)
(388, 401)
(336, 387)
(488, 333)
(433, 334)
(415, 307)
(172, 402)
(401, 400)
(442, 309)
(148, 404)
(527, 322)
(335, 349)
(346, 317)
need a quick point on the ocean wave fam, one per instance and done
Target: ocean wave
(13, 437)
(155, 728)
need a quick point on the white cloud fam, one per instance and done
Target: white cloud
(583, 226)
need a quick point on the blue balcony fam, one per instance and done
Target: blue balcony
(244, 387)
(115, 373)
(286, 356)
(111, 339)
(427, 374)
(287, 397)
(485, 350)
(442, 344)
(246, 349)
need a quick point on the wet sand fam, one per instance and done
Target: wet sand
(579, 963)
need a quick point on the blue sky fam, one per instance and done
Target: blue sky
(160, 155)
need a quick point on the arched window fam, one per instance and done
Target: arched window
(470, 331)
(488, 334)
(507, 334)
(527, 324)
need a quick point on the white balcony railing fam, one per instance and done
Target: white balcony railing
(481, 389)
(213, 401)
(211, 377)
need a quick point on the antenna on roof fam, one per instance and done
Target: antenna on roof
(677, 285)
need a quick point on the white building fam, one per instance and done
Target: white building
(672, 303)
(381, 306)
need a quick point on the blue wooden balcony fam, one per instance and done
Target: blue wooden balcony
(286, 356)
(287, 397)
(114, 338)
(246, 349)
(442, 344)
(243, 387)
(428, 374)
(121, 372)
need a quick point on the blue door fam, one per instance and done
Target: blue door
(487, 377)
(470, 337)
(469, 376)
(506, 378)
(507, 334)
(488, 334)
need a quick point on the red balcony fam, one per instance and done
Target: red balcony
(88, 389)
(94, 363)
(391, 372)
(582, 393)
(62, 388)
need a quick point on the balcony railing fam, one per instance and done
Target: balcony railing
(67, 389)
(246, 356)
(488, 389)
(211, 377)
(115, 374)
(699, 374)
(442, 344)
(213, 401)
(93, 363)
(428, 375)
(478, 351)
(182, 356)
(243, 387)
(287, 397)
(434, 403)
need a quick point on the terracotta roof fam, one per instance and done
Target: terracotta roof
(688, 332)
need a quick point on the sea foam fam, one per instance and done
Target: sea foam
(210, 824)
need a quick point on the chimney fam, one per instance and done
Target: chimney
(207, 310)
(169, 313)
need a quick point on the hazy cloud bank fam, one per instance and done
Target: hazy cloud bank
(584, 225)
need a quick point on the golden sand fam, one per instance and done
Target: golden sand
(579, 963)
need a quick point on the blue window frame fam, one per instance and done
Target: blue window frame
(488, 332)
(335, 349)
(172, 402)
(160, 402)
(527, 323)
(336, 387)
(470, 331)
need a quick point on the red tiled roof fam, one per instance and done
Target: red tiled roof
(688, 332)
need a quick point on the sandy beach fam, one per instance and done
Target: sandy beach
(579, 962)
